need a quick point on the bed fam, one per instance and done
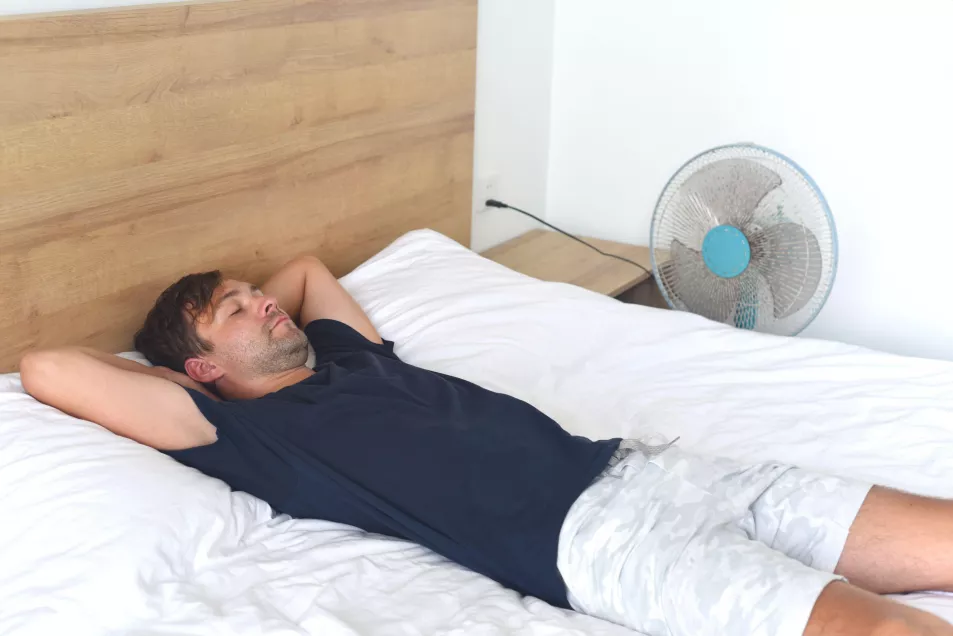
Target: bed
(100, 207)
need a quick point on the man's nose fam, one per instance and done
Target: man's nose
(269, 305)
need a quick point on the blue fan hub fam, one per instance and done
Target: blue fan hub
(726, 251)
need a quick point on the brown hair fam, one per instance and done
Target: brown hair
(168, 338)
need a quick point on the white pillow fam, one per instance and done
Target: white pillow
(89, 518)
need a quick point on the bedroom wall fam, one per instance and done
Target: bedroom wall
(514, 85)
(857, 92)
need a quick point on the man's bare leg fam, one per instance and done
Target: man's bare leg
(845, 610)
(900, 543)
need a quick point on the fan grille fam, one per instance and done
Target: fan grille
(786, 220)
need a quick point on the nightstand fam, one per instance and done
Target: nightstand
(550, 256)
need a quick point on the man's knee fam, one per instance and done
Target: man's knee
(844, 610)
(914, 622)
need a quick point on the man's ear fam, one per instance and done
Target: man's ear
(203, 371)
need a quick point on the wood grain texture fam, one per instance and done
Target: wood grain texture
(556, 258)
(141, 144)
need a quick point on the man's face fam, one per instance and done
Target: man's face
(250, 335)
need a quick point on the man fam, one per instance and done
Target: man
(653, 538)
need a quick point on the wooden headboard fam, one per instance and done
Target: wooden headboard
(141, 144)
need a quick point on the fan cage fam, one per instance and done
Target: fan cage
(808, 206)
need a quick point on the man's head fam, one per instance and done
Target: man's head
(213, 329)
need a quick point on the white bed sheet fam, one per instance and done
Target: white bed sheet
(599, 367)
(603, 369)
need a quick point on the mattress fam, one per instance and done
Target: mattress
(184, 555)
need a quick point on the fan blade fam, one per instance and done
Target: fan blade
(731, 189)
(689, 221)
(695, 288)
(789, 257)
(754, 300)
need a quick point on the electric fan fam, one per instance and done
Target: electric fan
(742, 235)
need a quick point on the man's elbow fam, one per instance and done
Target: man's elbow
(307, 258)
(309, 262)
(38, 371)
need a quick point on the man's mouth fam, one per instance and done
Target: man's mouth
(280, 320)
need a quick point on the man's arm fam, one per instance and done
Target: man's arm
(307, 290)
(135, 401)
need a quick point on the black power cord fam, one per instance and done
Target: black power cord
(493, 203)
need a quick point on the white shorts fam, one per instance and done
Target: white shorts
(674, 544)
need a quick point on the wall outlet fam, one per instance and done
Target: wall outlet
(487, 187)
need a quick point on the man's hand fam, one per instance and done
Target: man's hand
(307, 290)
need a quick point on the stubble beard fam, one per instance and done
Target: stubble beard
(279, 353)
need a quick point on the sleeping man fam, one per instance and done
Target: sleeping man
(649, 537)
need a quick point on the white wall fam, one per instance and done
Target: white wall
(514, 83)
(858, 92)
